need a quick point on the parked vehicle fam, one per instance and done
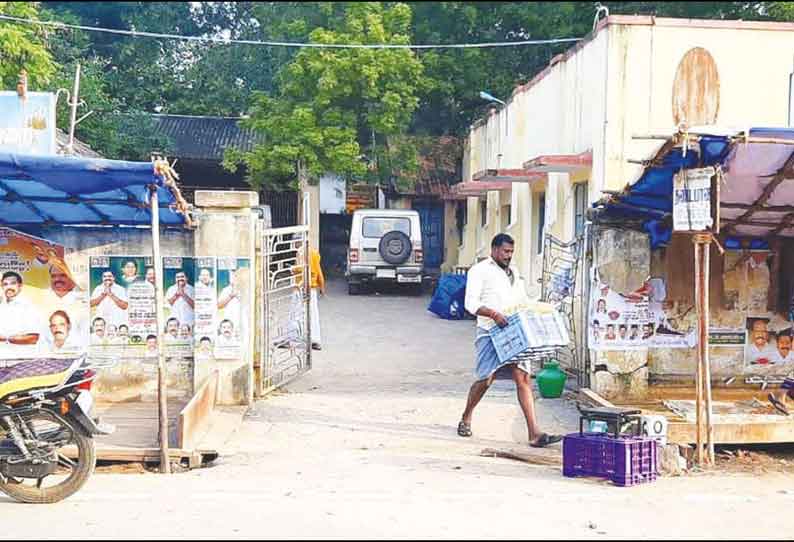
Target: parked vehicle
(46, 432)
(385, 246)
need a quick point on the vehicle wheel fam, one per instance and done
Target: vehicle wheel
(71, 474)
(353, 288)
(395, 247)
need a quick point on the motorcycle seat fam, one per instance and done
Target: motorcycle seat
(33, 374)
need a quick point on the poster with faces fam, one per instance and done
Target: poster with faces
(634, 320)
(769, 345)
(233, 279)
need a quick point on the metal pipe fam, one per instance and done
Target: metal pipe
(73, 115)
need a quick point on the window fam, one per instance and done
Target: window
(506, 210)
(541, 220)
(483, 213)
(580, 197)
(461, 218)
(377, 227)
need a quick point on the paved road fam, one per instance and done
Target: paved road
(365, 446)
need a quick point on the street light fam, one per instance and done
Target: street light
(487, 97)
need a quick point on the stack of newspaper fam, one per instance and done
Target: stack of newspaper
(534, 331)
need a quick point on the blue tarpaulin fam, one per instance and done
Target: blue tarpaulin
(649, 200)
(65, 190)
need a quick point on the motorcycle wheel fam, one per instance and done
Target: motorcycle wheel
(71, 474)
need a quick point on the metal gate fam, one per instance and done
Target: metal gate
(561, 262)
(286, 334)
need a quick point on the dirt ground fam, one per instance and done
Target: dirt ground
(364, 446)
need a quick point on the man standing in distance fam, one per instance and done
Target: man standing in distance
(494, 285)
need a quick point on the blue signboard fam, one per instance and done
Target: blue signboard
(27, 126)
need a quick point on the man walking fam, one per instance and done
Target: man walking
(492, 286)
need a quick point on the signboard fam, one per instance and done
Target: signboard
(28, 126)
(692, 199)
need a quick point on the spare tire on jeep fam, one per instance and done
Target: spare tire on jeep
(395, 247)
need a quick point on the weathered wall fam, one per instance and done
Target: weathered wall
(227, 227)
(129, 379)
(622, 258)
(752, 61)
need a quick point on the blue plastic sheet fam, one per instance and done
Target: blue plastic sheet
(80, 191)
(650, 198)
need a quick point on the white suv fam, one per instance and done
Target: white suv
(385, 246)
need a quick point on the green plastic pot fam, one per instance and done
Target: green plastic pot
(551, 380)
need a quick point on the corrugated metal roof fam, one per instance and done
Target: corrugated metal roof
(204, 138)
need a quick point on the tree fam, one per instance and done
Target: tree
(339, 110)
(23, 46)
(112, 130)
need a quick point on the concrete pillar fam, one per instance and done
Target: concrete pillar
(227, 227)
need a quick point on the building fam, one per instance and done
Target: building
(583, 127)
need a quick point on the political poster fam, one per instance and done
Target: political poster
(634, 321)
(179, 305)
(768, 346)
(43, 312)
(123, 309)
(206, 308)
(232, 286)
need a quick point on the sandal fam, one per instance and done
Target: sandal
(780, 407)
(464, 429)
(545, 439)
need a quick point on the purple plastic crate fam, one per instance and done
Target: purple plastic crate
(625, 461)
(636, 462)
(587, 454)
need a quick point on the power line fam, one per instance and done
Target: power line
(135, 33)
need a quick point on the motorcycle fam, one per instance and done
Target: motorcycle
(46, 431)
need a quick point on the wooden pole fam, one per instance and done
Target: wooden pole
(162, 383)
(706, 322)
(699, 371)
(705, 430)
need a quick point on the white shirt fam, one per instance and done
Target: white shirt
(224, 341)
(488, 285)
(777, 358)
(753, 353)
(181, 310)
(19, 317)
(108, 309)
(55, 302)
(73, 344)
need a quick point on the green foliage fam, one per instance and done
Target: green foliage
(112, 129)
(23, 46)
(339, 110)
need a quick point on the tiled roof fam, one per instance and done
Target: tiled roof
(203, 138)
(80, 148)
